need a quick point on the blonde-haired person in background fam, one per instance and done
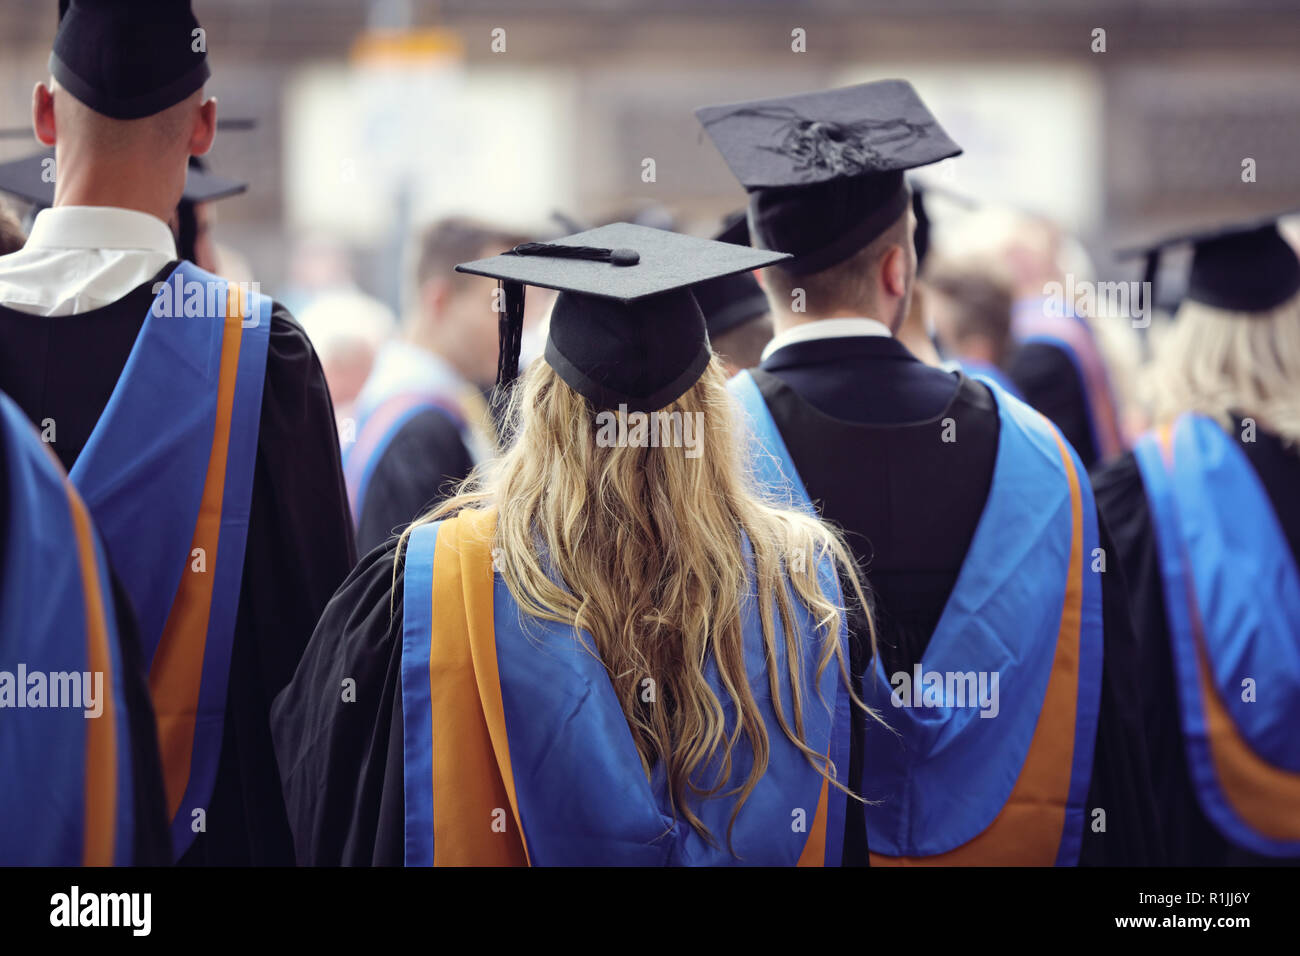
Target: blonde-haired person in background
(608, 648)
(1206, 519)
(1224, 364)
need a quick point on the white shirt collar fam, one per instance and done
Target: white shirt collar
(101, 227)
(826, 329)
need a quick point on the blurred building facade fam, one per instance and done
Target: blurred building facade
(374, 116)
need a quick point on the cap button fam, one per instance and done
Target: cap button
(624, 257)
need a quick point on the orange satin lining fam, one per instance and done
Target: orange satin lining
(1027, 831)
(101, 731)
(814, 851)
(177, 670)
(1165, 440)
(472, 775)
(1265, 797)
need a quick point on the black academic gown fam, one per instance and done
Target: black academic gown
(300, 544)
(151, 838)
(425, 460)
(859, 417)
(153, 846)
(342, 760)
(1050, 382)
(1191, 840)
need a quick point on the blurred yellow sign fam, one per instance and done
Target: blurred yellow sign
(405, 47)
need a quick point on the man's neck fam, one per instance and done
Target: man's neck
(110, 186)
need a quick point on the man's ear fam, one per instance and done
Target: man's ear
(433, 299)
(205, 127)
(43, 114)
(893, 272)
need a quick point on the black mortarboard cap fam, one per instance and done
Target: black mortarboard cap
(825, 170)
(1247, 267)
(735, 228)
(625, 328)
(733, 300)
(730, 302)
(30, 178)
(203, 185)
(128, 59)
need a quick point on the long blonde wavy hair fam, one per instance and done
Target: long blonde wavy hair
(1216, 362)
(643, 552)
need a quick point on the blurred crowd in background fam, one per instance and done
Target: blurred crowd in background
(402, 136)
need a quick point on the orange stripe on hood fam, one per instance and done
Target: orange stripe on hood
(475, 811)
(1027, 831)
(101, 732)
(177, 671)
(1265, 797)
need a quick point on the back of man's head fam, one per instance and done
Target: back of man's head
(450, 313)
(875, 282)
(973, 316)
(109, 140)
(448, 242)
(125, 108)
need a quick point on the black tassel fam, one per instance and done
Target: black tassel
(510, 331)
(618, 257)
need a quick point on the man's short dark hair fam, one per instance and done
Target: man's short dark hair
(846, 287)
(981, 305)
(12, 237)
(457, 239)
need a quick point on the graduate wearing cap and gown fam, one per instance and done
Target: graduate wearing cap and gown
(205, 449)
(1206, 521)
(422, 422)
(983, 366)
(1059, 369)
(970, 516)
(972, 316)
(468, 710)
(83, 784)
(1058, 365)
(421, 428)
(735, 309)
